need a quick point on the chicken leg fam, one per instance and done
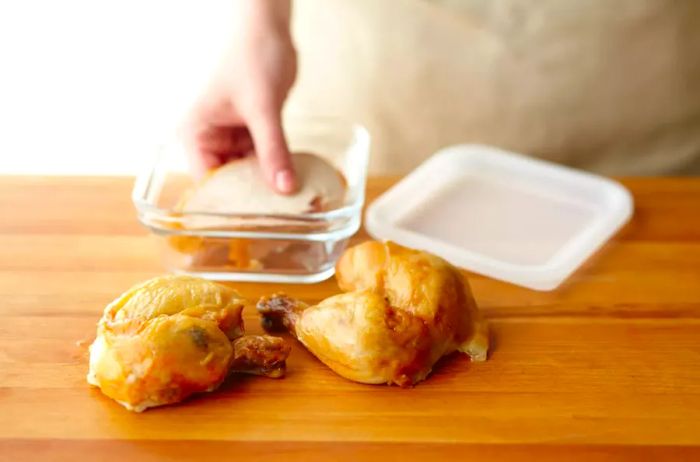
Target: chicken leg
(402, 311)
(175, 336)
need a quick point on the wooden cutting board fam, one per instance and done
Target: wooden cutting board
(606, 367)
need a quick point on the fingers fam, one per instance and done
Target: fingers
(223, 130)
(212, 146)
(265, 126)
(224, 141)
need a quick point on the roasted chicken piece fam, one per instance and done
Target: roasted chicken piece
(402, 311)
(173, 336)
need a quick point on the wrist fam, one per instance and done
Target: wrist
(257, 18)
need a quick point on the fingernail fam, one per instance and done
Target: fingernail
(284, 181)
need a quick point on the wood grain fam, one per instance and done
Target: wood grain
(605, 368)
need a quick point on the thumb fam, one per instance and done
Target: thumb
(265, 127)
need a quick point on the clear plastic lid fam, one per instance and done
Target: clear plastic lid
(501, 214)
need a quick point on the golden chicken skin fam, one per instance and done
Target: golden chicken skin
(402, 311)
(173, 336)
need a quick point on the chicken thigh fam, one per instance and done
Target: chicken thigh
(402, 311)
(173, 336)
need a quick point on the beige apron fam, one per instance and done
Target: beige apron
(609, 86)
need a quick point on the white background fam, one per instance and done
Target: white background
(89, 86)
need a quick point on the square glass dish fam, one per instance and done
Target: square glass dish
(299, 248)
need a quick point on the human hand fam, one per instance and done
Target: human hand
(240, 111)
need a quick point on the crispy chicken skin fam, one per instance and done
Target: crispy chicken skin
(173, 336)
(402, 310)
